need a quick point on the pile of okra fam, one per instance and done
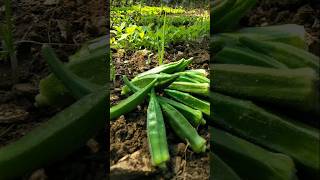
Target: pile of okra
(181, 105)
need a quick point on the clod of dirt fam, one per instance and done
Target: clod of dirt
(201, 56)
(51, 2)
(179, 149)
(24, 89)
(93, 145)
(132, 166)
(10, 113)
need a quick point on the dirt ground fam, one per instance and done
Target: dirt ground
(65, 24)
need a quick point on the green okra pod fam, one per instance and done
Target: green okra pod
(246, 56)
(232, 17)
(194, 116)
(189, 100)
(131, 102)
(289, 55)
(290, 34)
(165, 68)
(163, 80)
(183, 65)
(183, 128)
(201, 72)
(198, 78)
(221, 9)
(156, 132)
(57, 138)
(221, 170)
(296, 88)
(246, 119)
(251, 161)
(183, 78)
(194, 88)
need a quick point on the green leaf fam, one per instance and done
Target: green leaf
(130, 30)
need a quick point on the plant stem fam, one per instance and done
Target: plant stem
(161, 49)
(9, 40)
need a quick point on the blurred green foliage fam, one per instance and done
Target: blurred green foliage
(139, 26)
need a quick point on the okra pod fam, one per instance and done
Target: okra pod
(90, 67)
(221, 170)
(77, 86)
(221, 9)
(165, 68)
(201, 72)
(198, 78)
(183, 65)
(254, 123)
(232, 17)
(246, 56)
(251, 161)
(194, 116)
(131, 102)
(57, 138)
(289, 55)
(184, 78)
(296, 88)
(194, 88)
(163, 81)
(156, 132)
(290, 34)
(189, 100)
(91, 47)
(183, 128)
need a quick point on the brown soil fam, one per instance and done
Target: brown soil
(128, 133)
(65, 24)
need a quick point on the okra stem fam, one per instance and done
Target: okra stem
(130, 85)
(77, 86)
(131, 102)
